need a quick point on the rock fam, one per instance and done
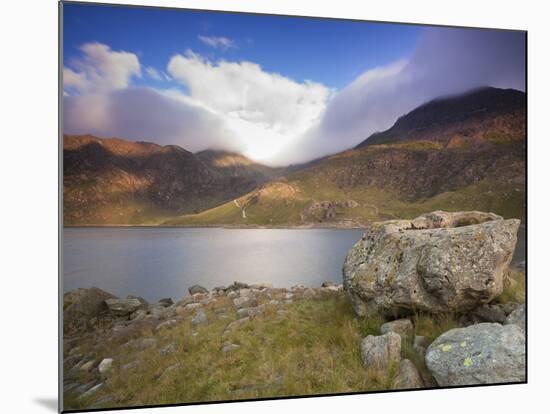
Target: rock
(167, 324)
(245, 302)
(197, 289)
(517, 317)
(229, 348)
(123, 307)
(80, 305)
(489, 313)
(192, 306)
(157, 311)
(236, 324)
(438, 262)
(91, 391)
(236, 286)
(200, 318)
(402, 327)
(327, 284)
(105, 365)
(408, 376)
(142, 300)
(87, 366)
(309, 293)
(166, 302)
(485, 353)
(167, 350)
(254, 311)
(138, 315)
(330, 289)
(380, 352)
(130, 366)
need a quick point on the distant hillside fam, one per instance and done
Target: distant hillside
(465, 152)
(115, 181)
(483, 114)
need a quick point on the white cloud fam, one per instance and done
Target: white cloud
(218, 42)
(153, 73)
(100, 69)
(255, 103)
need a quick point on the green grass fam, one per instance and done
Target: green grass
(313, 349)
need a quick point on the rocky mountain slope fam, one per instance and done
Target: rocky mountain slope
(114, 181)
(458, 153)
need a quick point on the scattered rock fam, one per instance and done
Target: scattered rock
(166, 302)
(192, 306)
(80, 305)
(380, 352)
(236, 324)
(438, 262)
(130, 366)
(123, 307)
(485, 353)
(230, 347)
(489, 313)
(200, 318)
(141, 300)
(402, 327)
(138, 315)
(408, 376)
(105, 365)
(328, 284)
(254, 311)
(157, 311)
(517, 317)
(167, 324)
(245, 302)
(167, 350)
(197, 289)
(91, 391)
(87, 366)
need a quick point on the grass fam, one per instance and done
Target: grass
(313, 348)
(514, 287)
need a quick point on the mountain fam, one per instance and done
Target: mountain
(115, 181)
(463, 152)
(484, 113)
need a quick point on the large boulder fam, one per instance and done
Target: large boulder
(438, 262)
(81, 305)
(381, 352)
(486, 353)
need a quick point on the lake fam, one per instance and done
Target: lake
(164, 262)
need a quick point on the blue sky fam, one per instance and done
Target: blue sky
(330, 51)
(277, 89)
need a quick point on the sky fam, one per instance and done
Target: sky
(280, 90)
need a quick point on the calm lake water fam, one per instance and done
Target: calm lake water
(157, 263)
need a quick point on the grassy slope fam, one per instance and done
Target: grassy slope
(312, 349)
(374, 204)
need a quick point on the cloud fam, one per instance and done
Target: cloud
(218, 42)
(163, 117)
(100, 69)
(446, 61)
(238, 106)
(255, 103)
(153, 73)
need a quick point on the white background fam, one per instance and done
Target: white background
(28, 205)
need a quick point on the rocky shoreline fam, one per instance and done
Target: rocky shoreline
(457, 319)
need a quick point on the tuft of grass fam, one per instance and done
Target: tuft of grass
(514, 287)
